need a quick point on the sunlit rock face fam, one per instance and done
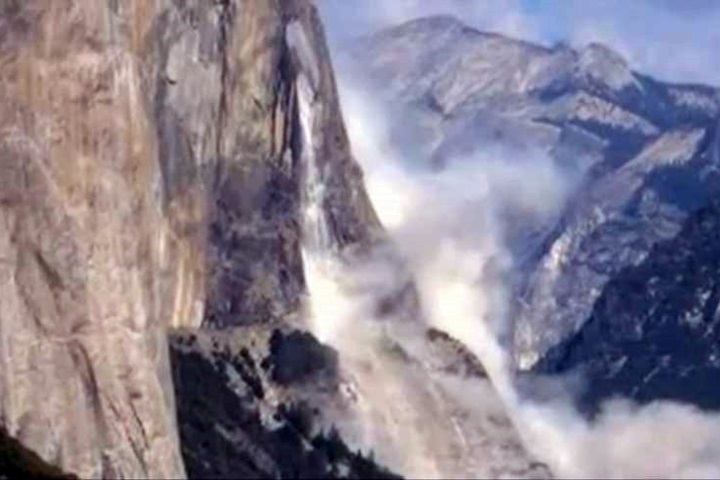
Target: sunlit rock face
(611, 225)
(636, 155)
(84, 373)
(149, 178)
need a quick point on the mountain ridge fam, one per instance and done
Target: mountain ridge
(616, 137)
(448, 21)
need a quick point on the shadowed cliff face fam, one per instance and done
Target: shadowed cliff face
(652, 333)
(150, 177)
(257, 186)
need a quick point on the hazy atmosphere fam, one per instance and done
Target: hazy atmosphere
(450, 224)
(359, 239)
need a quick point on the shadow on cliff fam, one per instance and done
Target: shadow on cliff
(17, 461)
(240, 403)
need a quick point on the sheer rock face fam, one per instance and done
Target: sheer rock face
(149, 177)
(257, 187)
(84, 370)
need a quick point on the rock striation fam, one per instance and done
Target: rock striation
(151, 172)
(84, 375)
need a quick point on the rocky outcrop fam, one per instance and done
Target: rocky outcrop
(245, 415)
(612, 224)
(653, 331)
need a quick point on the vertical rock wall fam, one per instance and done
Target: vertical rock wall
(83, 357)
(150, 177)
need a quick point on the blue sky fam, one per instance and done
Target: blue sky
(677, 40)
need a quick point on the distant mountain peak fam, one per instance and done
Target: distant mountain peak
(447, 23)
(600, 62)
(444, 24)
(596, 65)
(597, 49)
(441, 25)
(443, 60)
(439, 21)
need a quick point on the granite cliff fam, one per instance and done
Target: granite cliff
(150, 178)
(652, 334)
